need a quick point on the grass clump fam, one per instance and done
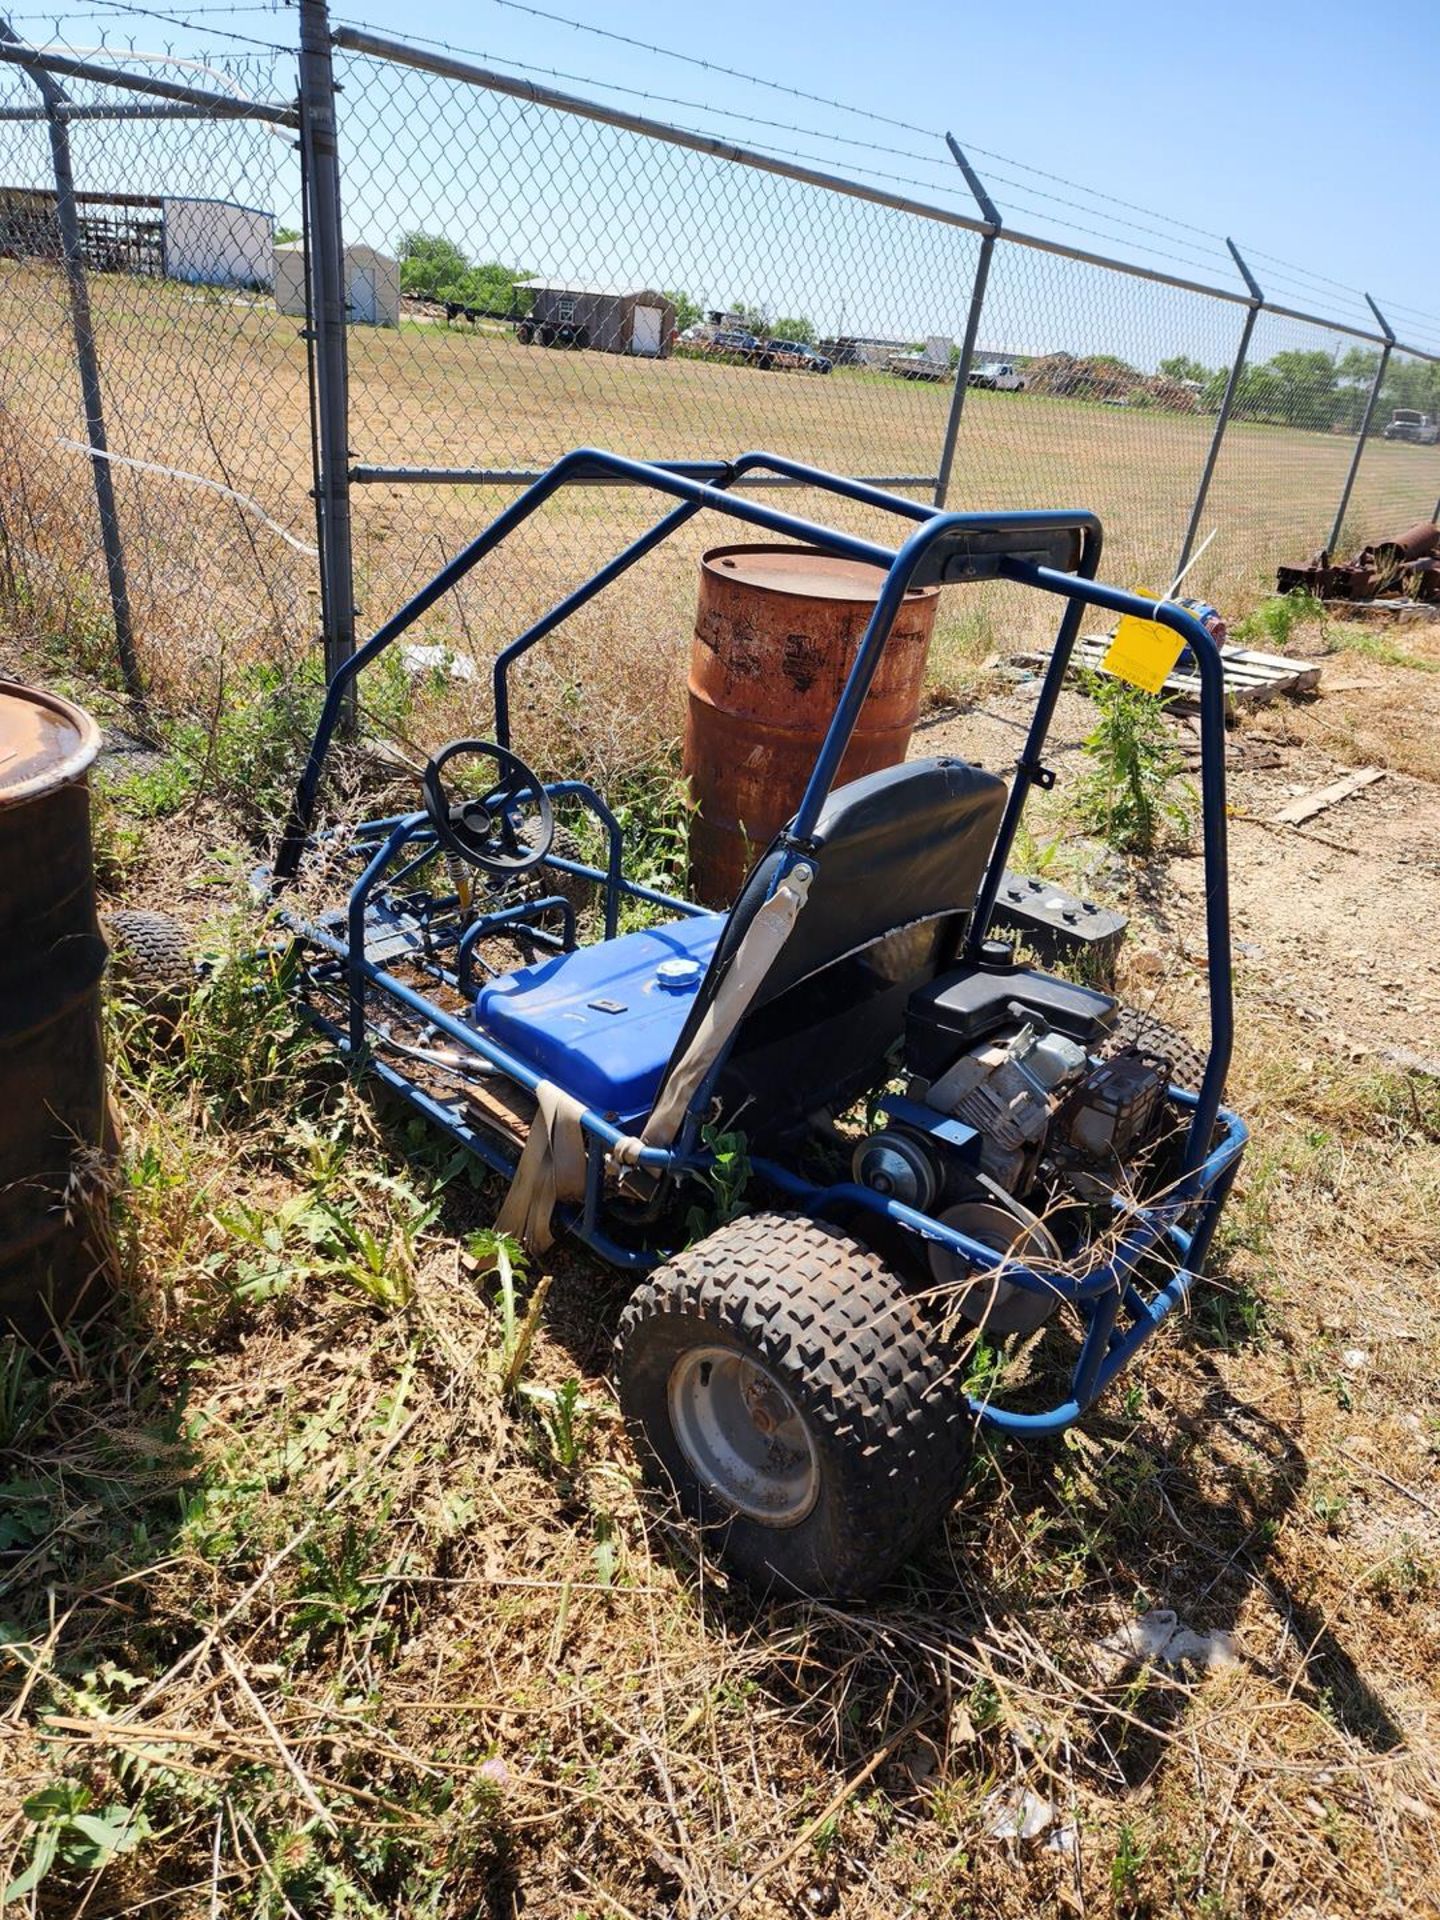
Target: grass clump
(1376, 647)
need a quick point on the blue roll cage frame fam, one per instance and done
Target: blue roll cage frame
(1056, 552)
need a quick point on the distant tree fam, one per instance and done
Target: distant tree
(288, 236)
(751, 318)
(1259, 394)
(1182, 368)
(1409, 383)
(492, 286)
(1359, 365)
(687, 310)
(1215, 387)
(1308, 381)
(796, 327)
(432, 267)
(1356, 371)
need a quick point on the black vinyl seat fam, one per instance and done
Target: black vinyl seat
(899, 856)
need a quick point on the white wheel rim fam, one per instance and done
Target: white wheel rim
(743, 1436)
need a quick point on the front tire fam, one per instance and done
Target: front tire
(150, 961)
(779, 1378)
(544, 879)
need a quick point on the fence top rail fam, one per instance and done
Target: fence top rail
(224, 105)
(120, 110)
(445, 66)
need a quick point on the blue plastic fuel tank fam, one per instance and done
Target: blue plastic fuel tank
(602, 1022)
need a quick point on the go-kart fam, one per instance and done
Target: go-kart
(945, 1146)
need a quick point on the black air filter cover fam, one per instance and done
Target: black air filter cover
(963, 1007)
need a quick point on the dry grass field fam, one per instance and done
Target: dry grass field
(305, 1614)
(214, 384)
(309, 1617)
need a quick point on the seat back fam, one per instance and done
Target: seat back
(899, 859)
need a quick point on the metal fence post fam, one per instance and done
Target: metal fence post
(972, 323)
(1333, 542)
(87, 363)
(1232, 385)
(327, 321)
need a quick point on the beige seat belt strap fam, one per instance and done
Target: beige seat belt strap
(759, 948)
(551, 1168)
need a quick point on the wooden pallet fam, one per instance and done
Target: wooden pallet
(1250, 676)
(1383, 609)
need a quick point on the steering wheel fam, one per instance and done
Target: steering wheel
(508, 830)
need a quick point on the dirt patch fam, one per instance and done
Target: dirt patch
(1332, 920)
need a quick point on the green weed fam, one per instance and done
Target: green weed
(117, 840)
(1130, 1855)
(1132, 794)
(22, 1393)
(503, 1256)
(1408, 1103)
(566, 1420)
(381, 1264)
(67, 1833)
(1273, 621)
(654, 810)
(280, 1247)
(1374, 646)
(247, 749)
(334, 1591)
(244, 1043)
(154, 792)
(1231, 1316)
(729, 1181)
(959, 654)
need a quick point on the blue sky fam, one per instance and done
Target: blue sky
(1285, 125)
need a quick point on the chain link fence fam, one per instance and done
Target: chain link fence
(202, 380)
(524, 272)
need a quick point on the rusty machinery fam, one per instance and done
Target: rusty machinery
(1405, 568)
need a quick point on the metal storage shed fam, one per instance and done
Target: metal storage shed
(607, 319)
(372, 285)
(214, 243)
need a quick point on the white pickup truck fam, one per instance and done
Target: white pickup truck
(1406, 423)
(999, 376)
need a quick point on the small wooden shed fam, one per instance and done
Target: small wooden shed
(607, 319)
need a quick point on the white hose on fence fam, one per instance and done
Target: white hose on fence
(194, 480)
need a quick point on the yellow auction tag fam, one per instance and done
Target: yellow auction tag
(1142, 652)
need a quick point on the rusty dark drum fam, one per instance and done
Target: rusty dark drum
(52, 1064)
(776, 630)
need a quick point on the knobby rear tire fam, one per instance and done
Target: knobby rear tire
(1149, 1034)
(877, 1389)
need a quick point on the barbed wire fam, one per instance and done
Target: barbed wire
(128, 8)
(1305, 283)
(57, 15)
(798, 93)
(946, 181)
